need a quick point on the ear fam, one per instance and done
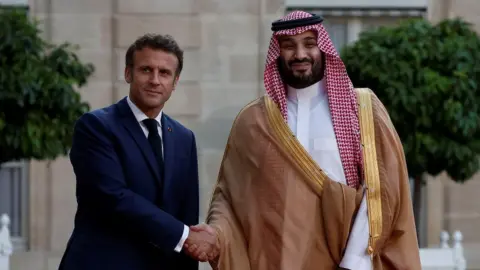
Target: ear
(175, 82)
(128, 74)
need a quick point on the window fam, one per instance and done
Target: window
(14, 182)
(345, 25)
(14, 200)
(344, 30)
(21, 3)
(337, 28)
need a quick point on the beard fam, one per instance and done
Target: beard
(304, 79)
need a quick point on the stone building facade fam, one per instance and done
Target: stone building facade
(452, 206)
(225, 43)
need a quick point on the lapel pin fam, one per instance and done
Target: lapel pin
(169, 129)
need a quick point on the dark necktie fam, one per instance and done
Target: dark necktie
(155, 141)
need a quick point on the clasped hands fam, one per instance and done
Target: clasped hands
(202, 244)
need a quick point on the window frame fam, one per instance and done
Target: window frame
(13, 3)
(20, 243)
(356, 19)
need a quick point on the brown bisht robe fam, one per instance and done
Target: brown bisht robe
(275, 209)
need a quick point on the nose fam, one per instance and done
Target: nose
(155, 78)
(301, 53)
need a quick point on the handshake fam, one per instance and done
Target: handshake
(202, 243)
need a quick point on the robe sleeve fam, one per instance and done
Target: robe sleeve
(233, 252)
(400, 249)
(228, 207)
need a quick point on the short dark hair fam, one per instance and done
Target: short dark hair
(165, 43)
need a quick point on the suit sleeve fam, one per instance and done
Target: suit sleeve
(191, 200)
(101, 184)
(190, 203)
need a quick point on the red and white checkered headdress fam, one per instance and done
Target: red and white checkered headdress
(341, 95)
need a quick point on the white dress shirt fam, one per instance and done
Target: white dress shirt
(310, 120)
(140, 116)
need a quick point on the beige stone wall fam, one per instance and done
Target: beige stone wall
(466, 9)
(453, 206)
(225, 44)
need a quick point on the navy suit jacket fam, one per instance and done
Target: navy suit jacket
(129, 216)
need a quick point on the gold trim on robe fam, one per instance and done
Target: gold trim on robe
(274, 208)
(314, 175)
(370, 167)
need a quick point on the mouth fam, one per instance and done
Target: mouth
(301, 66)
(152, 92)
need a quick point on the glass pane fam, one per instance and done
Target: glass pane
(370, 23)
(11, 195)
(337, 29)
(5, 196)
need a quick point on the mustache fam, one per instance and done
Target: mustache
(300, 61)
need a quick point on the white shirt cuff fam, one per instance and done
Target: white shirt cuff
(355, 262)
(186, 231)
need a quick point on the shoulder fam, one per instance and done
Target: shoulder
(178, 127)
(250, 112)
(386, 136)
(92, 129)
(97, 117)
(249, 121)
(380, 113)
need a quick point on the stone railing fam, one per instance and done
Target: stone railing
(445, 257)
(6, 248)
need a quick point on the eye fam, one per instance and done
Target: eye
(164, 72)
(288, 46)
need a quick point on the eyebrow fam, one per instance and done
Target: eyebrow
(168, 71)
(286, 39)
(163, 69)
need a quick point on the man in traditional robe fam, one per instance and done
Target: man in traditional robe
(313, 175)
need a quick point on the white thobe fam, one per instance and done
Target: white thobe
(310, 120)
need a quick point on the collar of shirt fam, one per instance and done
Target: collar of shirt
(139, 115)
(315, 90)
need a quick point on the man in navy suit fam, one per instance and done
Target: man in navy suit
(136, 173)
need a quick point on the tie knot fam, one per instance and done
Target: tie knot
(151, 124)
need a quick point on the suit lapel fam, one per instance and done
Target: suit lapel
(133, 127)
(168, 152)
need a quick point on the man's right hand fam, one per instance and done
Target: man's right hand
(202, 243)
